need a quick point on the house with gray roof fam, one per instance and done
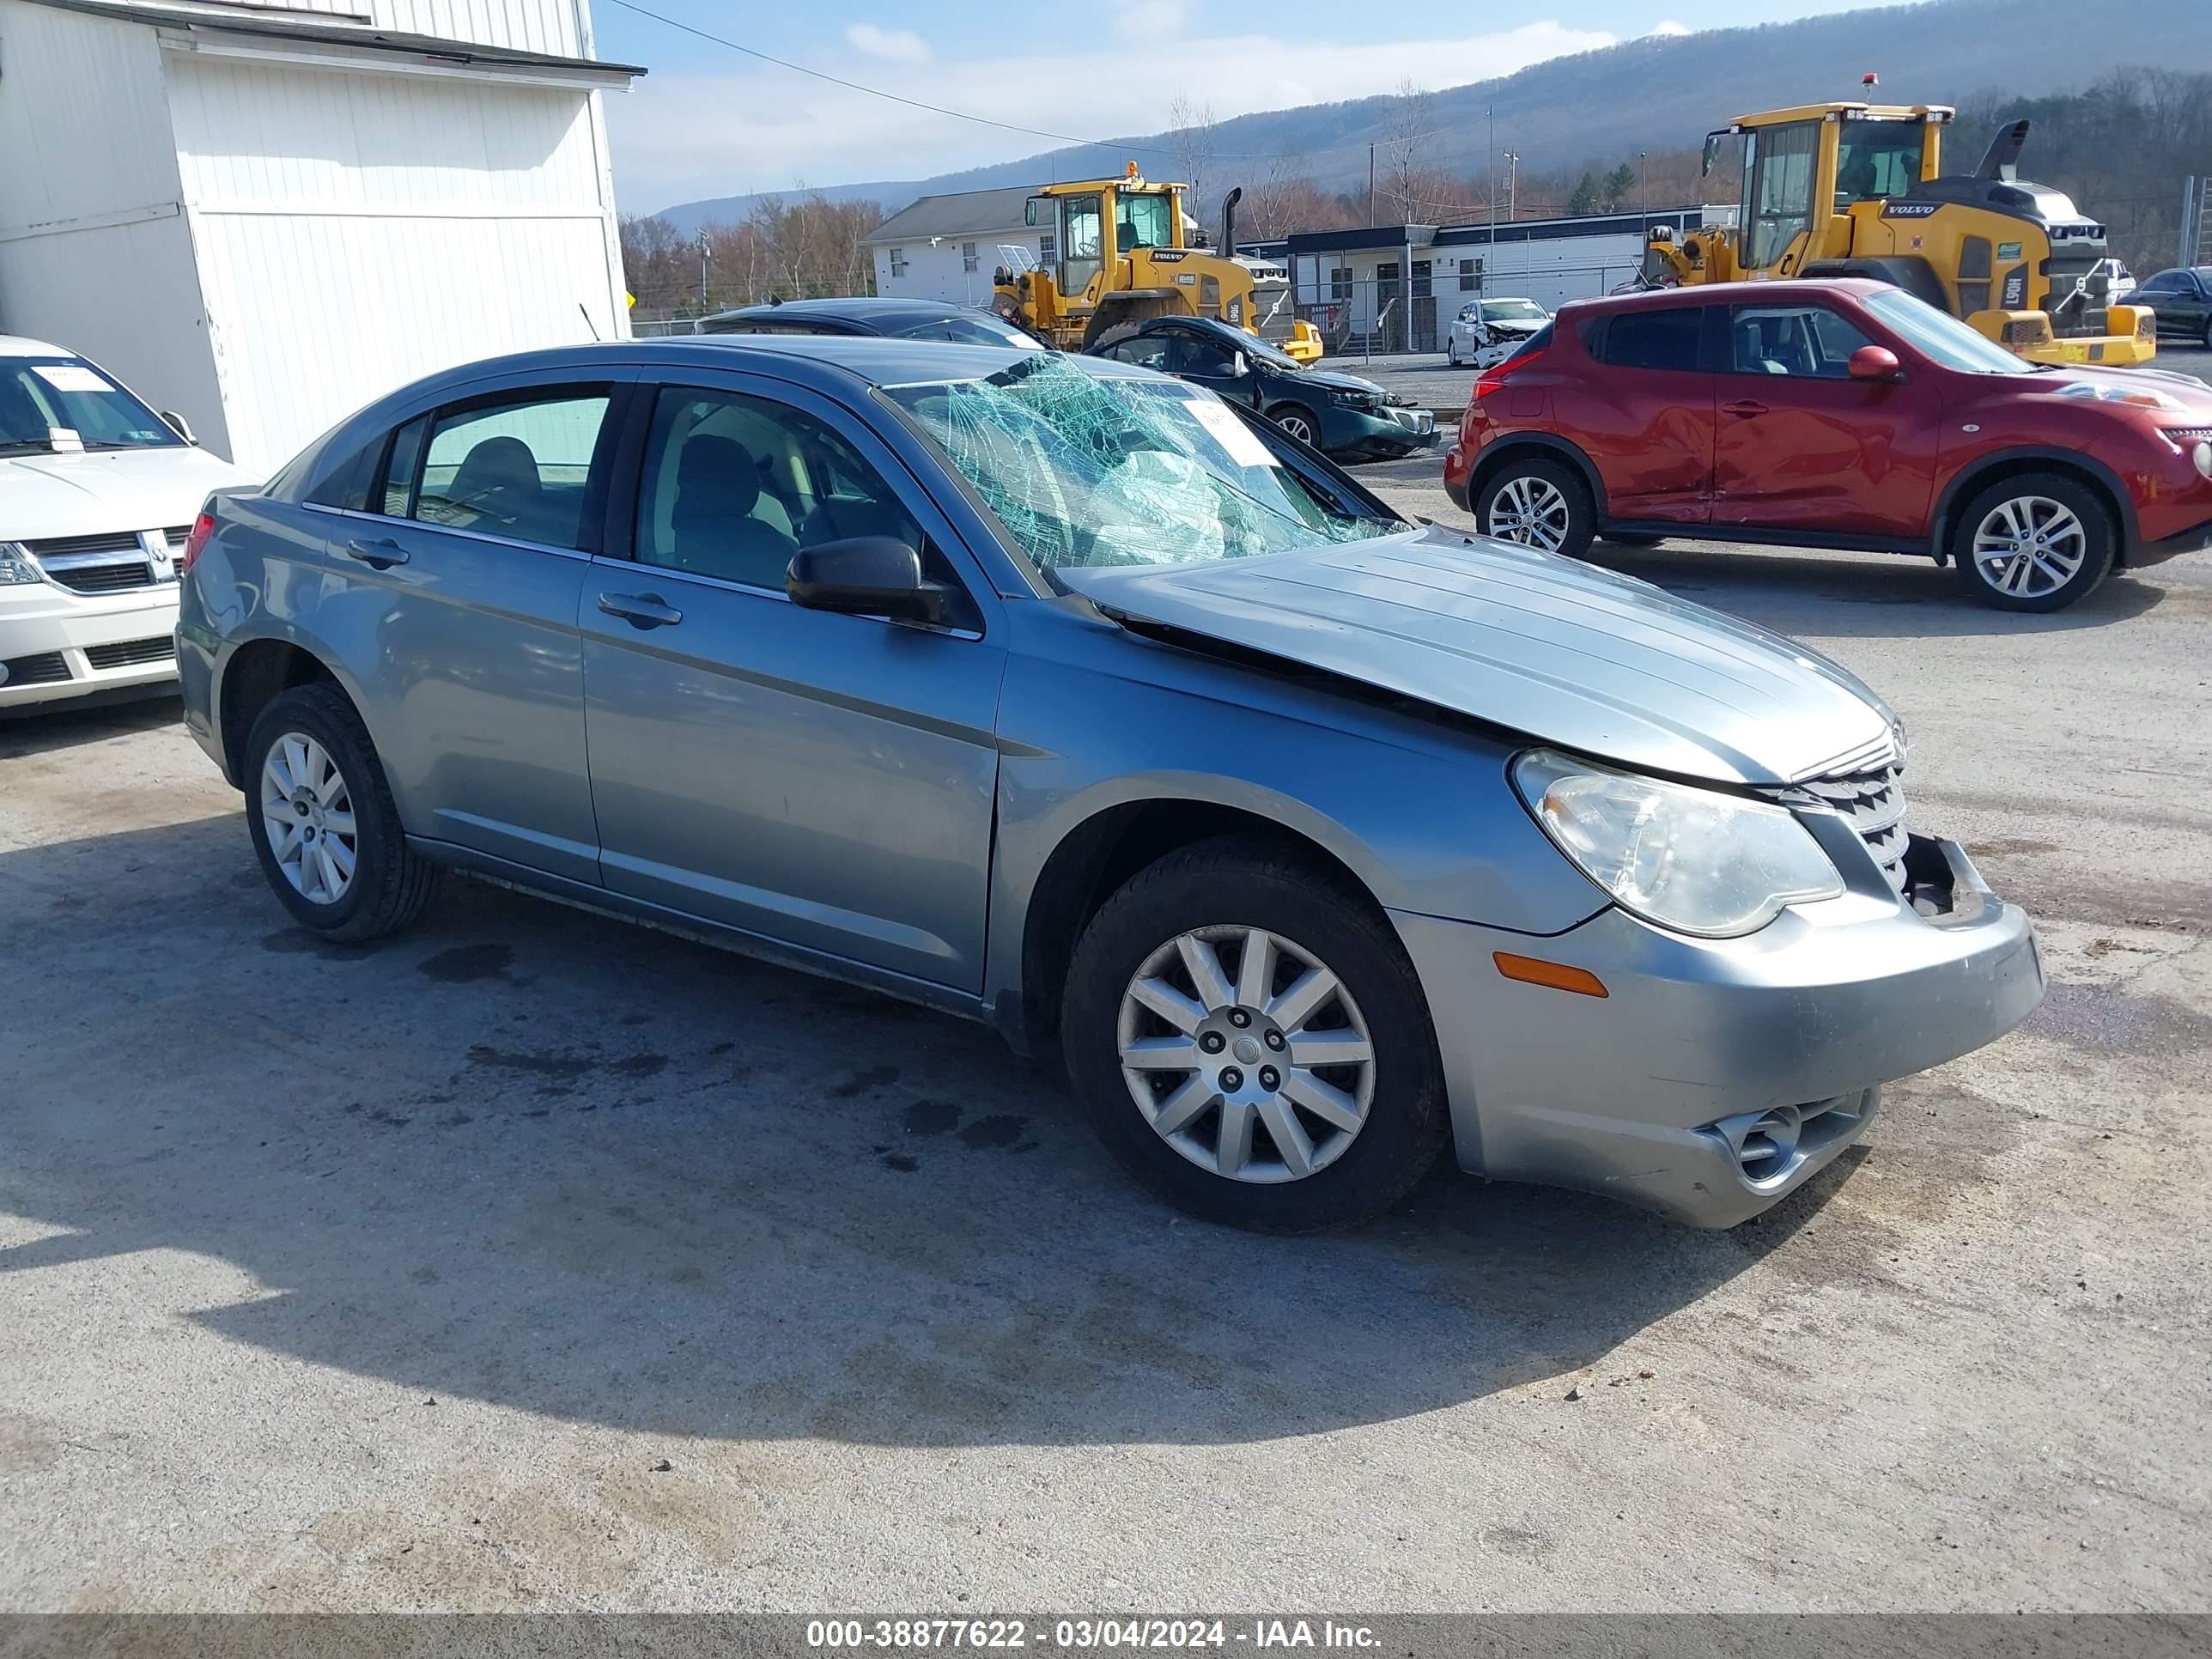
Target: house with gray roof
(945, 247)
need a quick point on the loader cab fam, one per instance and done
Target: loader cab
(1804, 167)
(1096, 224)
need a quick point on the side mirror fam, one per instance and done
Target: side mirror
(1874, 362)
(1239, 365)
(1712, 150)
(864, 576)
(178, 424)
(1030, 208)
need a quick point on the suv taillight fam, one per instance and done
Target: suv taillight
(1493, 379)
(203, 528)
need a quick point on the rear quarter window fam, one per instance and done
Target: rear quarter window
(1670, 338)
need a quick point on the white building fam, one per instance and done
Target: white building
(945, 247)
(263, 215)
(1415, 278)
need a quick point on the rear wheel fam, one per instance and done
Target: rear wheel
(1299, 422)
(1251, 1042)
(2204, 339)
(1451, 352)
(1538, 503)
(2037, 541)
(323, 823)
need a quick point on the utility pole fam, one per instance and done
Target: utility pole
(702, 269)
(1512, 166)
(1484, 283)
(1370, 187)
(1643, 192)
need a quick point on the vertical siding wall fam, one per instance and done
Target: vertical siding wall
(357, 230)
(95, 253)
(547, 26)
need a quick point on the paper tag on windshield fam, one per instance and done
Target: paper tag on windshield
(1243, 444)
(70, 377)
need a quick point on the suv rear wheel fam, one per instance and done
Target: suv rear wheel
(323, 822)
(1251, 1042)
(1538, 503)
(2037, 541)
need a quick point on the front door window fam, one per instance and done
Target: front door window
(1779, 188)
(1079, 237)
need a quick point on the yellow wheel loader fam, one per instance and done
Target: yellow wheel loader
(1858, 189)
(1120, 255)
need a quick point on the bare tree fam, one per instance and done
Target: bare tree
(1415, 189)
(1190, 136)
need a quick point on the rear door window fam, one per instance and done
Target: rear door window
(517, 467)
(1666, 338)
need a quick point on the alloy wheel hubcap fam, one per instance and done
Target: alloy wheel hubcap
(2030, 547)
(1297, 427)
(1530, 510)
(1246, 1054)
(307, 811)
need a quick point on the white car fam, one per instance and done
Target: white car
(97, 495)
(1488, 332)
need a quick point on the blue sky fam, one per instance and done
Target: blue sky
(709, 122)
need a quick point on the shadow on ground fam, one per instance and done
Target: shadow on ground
(562, 1163)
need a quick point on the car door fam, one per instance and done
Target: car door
(820, 780)
(1207, 362)
(455, 598)
(1645, 419)
(1800, 445)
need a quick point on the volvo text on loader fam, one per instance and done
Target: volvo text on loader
(1858, 189)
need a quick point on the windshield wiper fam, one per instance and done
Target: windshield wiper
(37, 445)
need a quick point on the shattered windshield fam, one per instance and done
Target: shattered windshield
(1085, 470)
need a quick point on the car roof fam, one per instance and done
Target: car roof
(21, 345)
(1705, 293)
(868, 311)
(1228, 332)
(831, 363)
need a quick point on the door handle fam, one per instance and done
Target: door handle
(641, 610)
(1746, 407)
(378, 556)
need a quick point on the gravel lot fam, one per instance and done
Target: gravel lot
(534, 1260)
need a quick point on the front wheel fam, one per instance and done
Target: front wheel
(2037, 541)
(1251, 1042)
(1537, 503)
(323, 822)
(1299, 422)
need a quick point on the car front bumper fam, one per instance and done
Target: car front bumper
(57, 644)
(1715, 1076)
(1386, 434)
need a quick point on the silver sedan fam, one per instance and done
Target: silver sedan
(1063, 696)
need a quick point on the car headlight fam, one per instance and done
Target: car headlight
(1351, 397)
(17, 566)
(1694, 861)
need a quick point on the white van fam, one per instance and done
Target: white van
(98, 494)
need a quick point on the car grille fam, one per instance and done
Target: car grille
(129, 653)
(44, 669)
(121, 541)
(112, 563)
(1873, 802)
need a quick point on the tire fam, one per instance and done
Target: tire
(2204, 339)
(1636, 538)
(1451, 354)
(293, 738)
(1360, 1159)
(1538, 503)
(2082, 545)
(1299, 422)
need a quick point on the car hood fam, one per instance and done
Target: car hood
(1517, 328)
(106, 490)
(1330, 377)
(1565, 652)
(2184, 394)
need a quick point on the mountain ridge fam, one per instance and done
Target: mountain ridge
(1656, 92)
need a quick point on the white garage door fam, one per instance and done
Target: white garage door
(356, 230)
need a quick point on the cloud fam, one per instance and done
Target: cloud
(1671, 29)
(1151, 20)
(899, 46)
(682, 136)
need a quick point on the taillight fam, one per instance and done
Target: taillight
(203, 528)
(1493, 379)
